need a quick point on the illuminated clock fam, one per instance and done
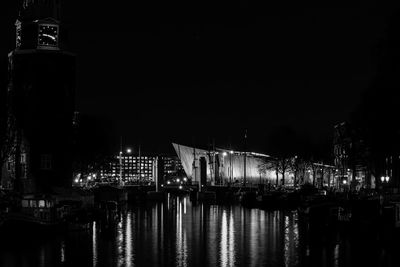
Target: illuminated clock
(48, 36)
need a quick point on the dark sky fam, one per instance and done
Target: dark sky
(169, 72)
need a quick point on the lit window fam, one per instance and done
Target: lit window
(23, 158)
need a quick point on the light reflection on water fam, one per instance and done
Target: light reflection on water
(180, 233)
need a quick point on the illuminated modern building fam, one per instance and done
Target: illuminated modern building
(139, 169)
(227, 166)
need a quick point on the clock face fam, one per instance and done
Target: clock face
(48, 35)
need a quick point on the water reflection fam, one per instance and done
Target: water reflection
(94, 245)
(181, 233)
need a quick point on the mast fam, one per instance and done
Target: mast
(120, 160)
(245, 157)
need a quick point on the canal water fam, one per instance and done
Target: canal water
(181, 233)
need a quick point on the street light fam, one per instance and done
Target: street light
(128, 150)
(387, 179)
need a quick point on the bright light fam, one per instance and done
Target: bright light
(387, 178)
(382, 178)
(178, 180)
(224, 154)
(162, 185)
(120, 152)
(185, 179)
(231, 152)
(344, 181)
(168, 182)
(180, 187)
(76, 180)
(89, 177)
(128, 150)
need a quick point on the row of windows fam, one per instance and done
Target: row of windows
(46, 163)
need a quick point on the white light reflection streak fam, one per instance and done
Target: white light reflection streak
(181, 242)
(336, 256)
(296, 236)
(224, 240)
(62, 251)
(286, 241)
(120, 240)
(128, 240)
(231, 240)
(253, 238)
(227, 243)
(94, 244)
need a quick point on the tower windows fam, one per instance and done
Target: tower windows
(45, 162)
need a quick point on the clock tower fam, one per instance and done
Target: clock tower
(41, 99)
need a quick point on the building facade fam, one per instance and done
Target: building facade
(226, 166)
(351, 157)
(41, 100)
(135, 168)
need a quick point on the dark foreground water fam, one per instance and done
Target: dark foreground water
(180, 233)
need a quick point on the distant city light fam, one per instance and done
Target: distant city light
(178, 180)
(168, 182)
(180, 187)
(185, 179)
(76, 180)
(382, 178)
(128, 150)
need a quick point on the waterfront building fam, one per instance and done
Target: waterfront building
(137, 168)
(225, 166)
(351, 157)
(41, 101)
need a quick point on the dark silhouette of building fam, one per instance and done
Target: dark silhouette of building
(351, 154)
(41, 98)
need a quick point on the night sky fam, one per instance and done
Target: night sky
(158, 73)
